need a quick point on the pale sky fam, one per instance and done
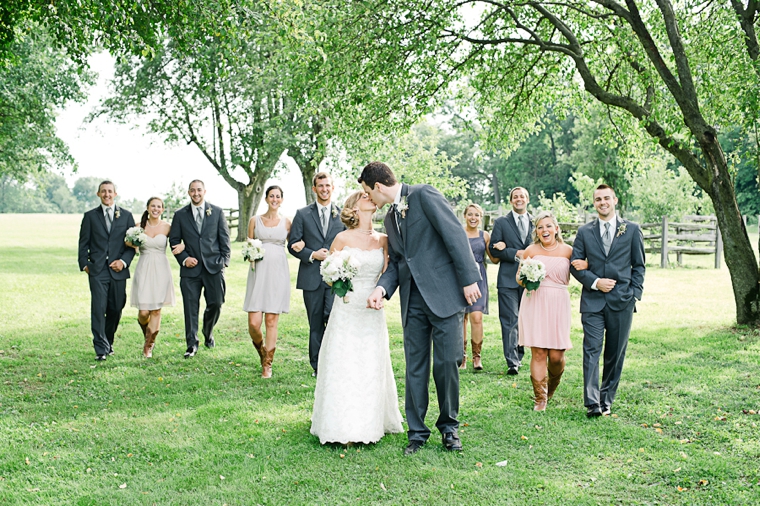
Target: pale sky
(141, 165)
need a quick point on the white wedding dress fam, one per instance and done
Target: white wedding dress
(355, 400)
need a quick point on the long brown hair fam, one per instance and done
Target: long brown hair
(144, 220)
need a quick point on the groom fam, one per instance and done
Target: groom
(613, 282)
(202, 227)
(431, 262)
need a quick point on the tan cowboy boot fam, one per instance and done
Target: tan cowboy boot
(476, 364)
(260, 350)
(539, 390)
(554, 379)
(266, 366)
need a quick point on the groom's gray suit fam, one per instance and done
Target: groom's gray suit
(317, 296)
(612, 311)
(430, 262)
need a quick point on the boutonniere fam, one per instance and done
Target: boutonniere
(208, 212)
(402, 207)
(334, 211)
(117, 213)
(620, 230)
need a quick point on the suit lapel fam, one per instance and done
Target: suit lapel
(595, 232)
(529, 236)
(205, 218)
(317, 221)
(615, 236)
(101, 217)
(402, 222)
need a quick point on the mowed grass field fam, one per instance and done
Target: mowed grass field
(209, 431)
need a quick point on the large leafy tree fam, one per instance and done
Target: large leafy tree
(675, 74)
(32, 90)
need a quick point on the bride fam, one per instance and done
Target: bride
(355, 400)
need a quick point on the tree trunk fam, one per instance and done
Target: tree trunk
(740, 259)
(495, 185)
(307, 175)
(249, 198)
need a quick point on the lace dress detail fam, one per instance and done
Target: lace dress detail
(355, 399)
(152, 286)
(268, 286)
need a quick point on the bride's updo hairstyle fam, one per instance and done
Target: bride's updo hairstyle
(349, 216)
(146, 214)
(543, 215)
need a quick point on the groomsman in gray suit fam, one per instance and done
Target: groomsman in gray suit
(316, 225)
(613, 282)
(512, 233)
(431, 263)
(202, 228)
(105, 258)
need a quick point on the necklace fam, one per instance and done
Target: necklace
(367, 232)
(157, 224)
(549, 249)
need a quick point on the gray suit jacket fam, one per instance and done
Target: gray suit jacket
(211, 247)
(505, 229)
(432, 249)
(307, 226)
(625, 263)
(98, 248)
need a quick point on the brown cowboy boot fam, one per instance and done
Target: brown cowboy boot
(539, 390)
(266, 366)
(554, 379)
(476, 347)
(260, 350)
(150, 342)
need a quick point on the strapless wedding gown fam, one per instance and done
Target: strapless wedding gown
(355, 399)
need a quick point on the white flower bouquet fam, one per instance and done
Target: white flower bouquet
(253, 250)
(338, 270)
(136, 236)
(532, 272)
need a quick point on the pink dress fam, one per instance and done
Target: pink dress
(544, 318)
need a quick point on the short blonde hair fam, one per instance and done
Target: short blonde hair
(348, 214)
(541, 216)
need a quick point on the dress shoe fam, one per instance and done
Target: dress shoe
(314, 373)
(451, 442)
(209, 342)
(512, 371)
(606, 411)
(413, 447)
(101, 358)
(111, 352)
(594, 411)
(191, 351)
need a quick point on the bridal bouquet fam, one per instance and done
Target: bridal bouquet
(532, 272)
(338, 270)
(253, 250)
(136, 236)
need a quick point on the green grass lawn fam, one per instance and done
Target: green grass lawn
(210, 431)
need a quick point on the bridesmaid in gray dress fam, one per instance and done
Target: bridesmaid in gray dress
(268, 290)
(152, 285)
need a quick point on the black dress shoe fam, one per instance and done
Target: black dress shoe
(210, 343)
(101, 358)
(594, 411)
(111, 352)
(191, 351)
(512, 371)
(606, 411)
(451, 442)
(413, 447)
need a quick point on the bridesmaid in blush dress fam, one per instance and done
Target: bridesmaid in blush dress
(544, 318)
(152, 285)
(267, 293)
(479, 241)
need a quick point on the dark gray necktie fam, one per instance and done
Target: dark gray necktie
(109, 219)
(324, 221)
(199, 219)
(607, 238)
